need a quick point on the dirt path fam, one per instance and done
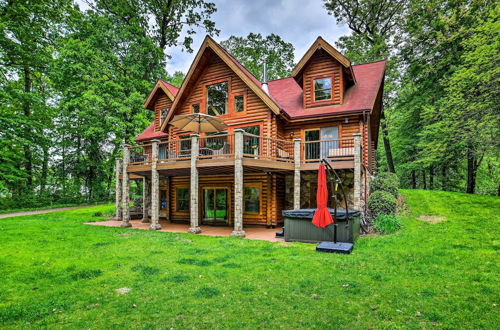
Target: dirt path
(17, 214)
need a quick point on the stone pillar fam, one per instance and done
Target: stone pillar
(357, 171)
(194, 227)
(125, 189)
(296, 174)
(238, 184)
(155, 187)
(146, 199)
(118, 189)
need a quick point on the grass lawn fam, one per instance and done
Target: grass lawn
(53, 206)
(57, 272)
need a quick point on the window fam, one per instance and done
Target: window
(182, 199)
(239, 103)
(322, 89)
(251, 143)
(217, 99)
(196, 108)
(164, 114)
(251, 199)
(185, 143)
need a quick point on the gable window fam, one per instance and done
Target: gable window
(217, 99)
(239, 103)
(196, 108)
(182, 199)
(322, 89)
(163, 115)
(251, 199)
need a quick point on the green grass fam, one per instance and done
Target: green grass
(53, 206)
(57, 272)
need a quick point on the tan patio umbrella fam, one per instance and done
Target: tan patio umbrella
(198, 123)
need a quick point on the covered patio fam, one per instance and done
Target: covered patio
(256, 233)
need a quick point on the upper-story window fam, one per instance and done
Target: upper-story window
(217, 99)
(196, 108)
(163, 115)
(322, 89)
(239, 103)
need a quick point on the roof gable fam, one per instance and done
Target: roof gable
(164, 86)
(320, 43)
(210, 45)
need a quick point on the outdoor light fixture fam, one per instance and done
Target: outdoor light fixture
(346, 120)
(291, 133)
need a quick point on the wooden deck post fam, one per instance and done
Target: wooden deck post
(118, 189)
(146, 199)
(296, 174)
(155, 187)
(357, 171)
(194, 227)
(125, 189)
(238, 184)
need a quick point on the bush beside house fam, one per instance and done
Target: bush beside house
(383, 201)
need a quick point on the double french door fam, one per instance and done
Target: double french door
(215, 206)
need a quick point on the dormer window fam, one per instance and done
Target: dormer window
(164, 113)
(322, 89)
(217, 99)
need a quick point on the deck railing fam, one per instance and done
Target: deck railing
(139, 154)
(265, 148)
(254, 146)
(177, 149)
(216, 146)
(314, 151)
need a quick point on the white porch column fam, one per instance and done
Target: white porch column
(194, 227)
(357, 171)
(296, 174)
(155, 187)
(146, 199)
(125, 189)
(238, 184)
(118, 189)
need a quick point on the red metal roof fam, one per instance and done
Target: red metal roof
(149, 134)
(170, 87)
(359, 97)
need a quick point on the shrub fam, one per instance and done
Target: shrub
(386, 181)
(387, 223)
(381, 202)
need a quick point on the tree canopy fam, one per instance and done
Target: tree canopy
(252, 50)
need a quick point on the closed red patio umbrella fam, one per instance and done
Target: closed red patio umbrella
(322, 217)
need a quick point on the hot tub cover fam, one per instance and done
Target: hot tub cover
(309, 213)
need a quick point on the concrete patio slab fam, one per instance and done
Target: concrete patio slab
(256, 233)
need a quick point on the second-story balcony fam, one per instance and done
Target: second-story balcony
(219, 150)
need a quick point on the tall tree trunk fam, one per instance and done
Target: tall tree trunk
(472, 165)
(413, 180)
(45, 165)
(424, 179)
(387, 145)
(431, 178)
(28, 158)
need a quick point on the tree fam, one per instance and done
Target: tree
(252, 50)
(175, 79)
(373, 23)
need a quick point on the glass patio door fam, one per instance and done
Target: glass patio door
(215, 208)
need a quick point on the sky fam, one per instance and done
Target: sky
(299, 22)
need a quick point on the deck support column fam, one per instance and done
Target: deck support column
(238, 184)
(146, 199)
(357, 171)
(194, 227)
(155, 187)
(118, 189)
(125, 189)
(296, 174)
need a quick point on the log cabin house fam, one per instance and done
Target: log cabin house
(267, 159)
